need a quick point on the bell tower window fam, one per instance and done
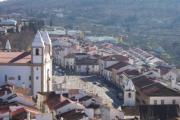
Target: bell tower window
(37, 51)
(129, 95)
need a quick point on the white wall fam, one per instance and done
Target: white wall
(89, 112)
(69, 107)
(22, 100)
(83, 68)
(167, 100)
(45, 116)
(114, 114)
(14, 72)
(129, 101)
(69, 62)
(37, 70)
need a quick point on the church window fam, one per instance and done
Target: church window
(29, 77)
(129, 95)
(6, 78)
(174, 102)
(37, 51)
(19, 77)
(37, 77)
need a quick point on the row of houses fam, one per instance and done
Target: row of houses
(67, 104)
(142, 84)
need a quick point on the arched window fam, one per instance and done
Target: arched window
(37, 51)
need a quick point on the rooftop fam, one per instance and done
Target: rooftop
(129, 72)
(86, 61)
(115, 58)
(117, 66)
(149, 87)
(15, 57)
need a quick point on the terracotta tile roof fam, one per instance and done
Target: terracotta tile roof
(164, 70)
(62, 104)
(149, 87)
(53, 100)
(115, 58)
(142, 81)
(12, 88)
(129, 72)
(117, 66)
(15, 57)
(18, 111)
(4, 109)
(158, 89)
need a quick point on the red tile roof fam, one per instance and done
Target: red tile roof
(117, 66)
(129, 72)
(62, 104)
(15, 57)
(149, 87)
(163, 70)
(53, 100)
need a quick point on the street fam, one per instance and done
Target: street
(91, 84)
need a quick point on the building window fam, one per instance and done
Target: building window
(174, 102)
(36, 68)
(19, 77)
(29, 86)
(30, 78)
(37, 51)
(6, 78)
(129, 95)
(162, 102)
(155, 102)
(37, 77)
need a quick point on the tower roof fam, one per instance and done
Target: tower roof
(129, 86)
(8, 45)
(38, 41)
(46, 37)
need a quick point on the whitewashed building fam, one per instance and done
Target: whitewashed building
(31, 69)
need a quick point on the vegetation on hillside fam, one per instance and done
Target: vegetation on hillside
(150, 24)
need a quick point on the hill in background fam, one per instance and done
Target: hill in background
(151, 24)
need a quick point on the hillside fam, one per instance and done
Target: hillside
(151, 24)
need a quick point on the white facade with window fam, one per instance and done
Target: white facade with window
(36, 73)
(164, 100)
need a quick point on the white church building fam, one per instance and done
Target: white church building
(32, 70)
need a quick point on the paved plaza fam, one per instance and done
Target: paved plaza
(91, 84)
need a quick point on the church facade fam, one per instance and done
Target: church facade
(32, 70)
